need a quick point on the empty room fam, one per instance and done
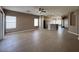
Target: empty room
(39, 29)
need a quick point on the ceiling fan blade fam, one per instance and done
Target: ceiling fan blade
(44, 11)
(39, 9)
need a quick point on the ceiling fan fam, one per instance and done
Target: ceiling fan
(42, 10)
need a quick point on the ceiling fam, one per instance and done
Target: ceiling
(50, 10)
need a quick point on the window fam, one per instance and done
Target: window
(54, 21)
(35, 22)
(58, 22)
(10, 22)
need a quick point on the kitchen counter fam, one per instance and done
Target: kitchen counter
(52, 26)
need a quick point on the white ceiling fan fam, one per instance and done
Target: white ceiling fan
(42, 11)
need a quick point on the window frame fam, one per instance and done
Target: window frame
(10, 22)
(37, 22)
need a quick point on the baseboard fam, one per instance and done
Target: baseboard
(23, 31)
(73, 33)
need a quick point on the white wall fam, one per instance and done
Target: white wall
(66, 23)
(41, 19)
(1, 24)
(78, 24)
(75, 28)
(1, 27)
